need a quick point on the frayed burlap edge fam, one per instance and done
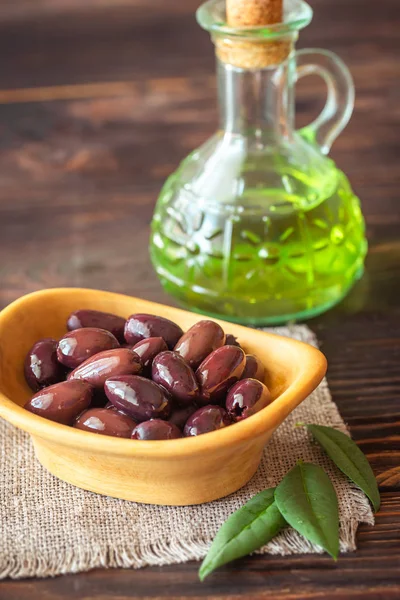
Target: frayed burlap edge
(167, 552)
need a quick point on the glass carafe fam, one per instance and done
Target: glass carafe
(258, 226)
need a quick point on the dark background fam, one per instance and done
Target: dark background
(99, 101)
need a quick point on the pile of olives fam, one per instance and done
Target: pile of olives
(143, 378)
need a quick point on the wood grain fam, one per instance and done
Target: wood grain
(100, 101)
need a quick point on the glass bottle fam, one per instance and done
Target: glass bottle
(258, 226)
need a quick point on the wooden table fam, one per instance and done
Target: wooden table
(99, 102)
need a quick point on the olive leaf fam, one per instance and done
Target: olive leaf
(348, 457)
(307, 500)
(246, 530)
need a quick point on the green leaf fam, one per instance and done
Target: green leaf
(246, 530)
(307, 500)
(348, 457)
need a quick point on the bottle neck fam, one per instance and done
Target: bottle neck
(256, 103)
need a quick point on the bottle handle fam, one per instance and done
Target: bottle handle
(340, 97)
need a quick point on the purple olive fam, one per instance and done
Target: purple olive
(141, 326)
(230, 340)
(140, 398)
(110, 406)
(173, 373)
(199, 341)
(106, 422)
(179, 415)
(206, 419)
(79, 345)
(147, 349)
(41, 366)
(254, 368)
(247, 397)
(96, 318)
(221, 369)
(61, 402)
(156, 429)
(109, 363)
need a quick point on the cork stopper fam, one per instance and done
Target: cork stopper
(249, 54)
(250, 13)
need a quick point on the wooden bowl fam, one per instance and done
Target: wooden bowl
(173, 472)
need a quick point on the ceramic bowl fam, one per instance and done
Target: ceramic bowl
(173, 472)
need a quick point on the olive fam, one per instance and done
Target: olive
(179, 415)
(61, 402)
(206, 419)
(147, 349)
(140, 398)
(105, 422)
(247, 397)
(254, 369)
(199, 341)
(173, 373)
(79, 345)
(96, 318)
(221, 369)
(230, 340)
(110, 363)
(141, 326)
(110, 406)
(156, 429)
(41, 366)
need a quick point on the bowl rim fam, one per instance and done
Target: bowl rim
(313, 369)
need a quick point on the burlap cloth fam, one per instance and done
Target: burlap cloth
(49, 527)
